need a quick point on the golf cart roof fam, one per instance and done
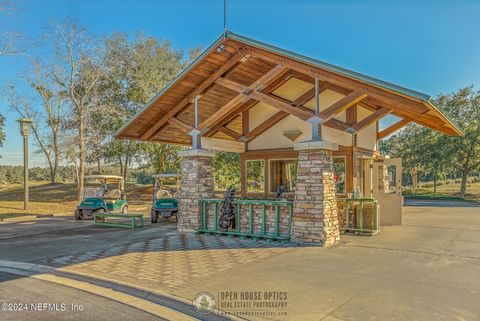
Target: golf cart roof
(166, 176)
(115, 178)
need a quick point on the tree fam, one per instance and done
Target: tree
(10, 41)
(433, 156)
(48, 118)
(226, 170)
(164, 158)
(422, 149)
(135, 72)
(405, 145)
(2, 130)
(77, 69)
(463, 107)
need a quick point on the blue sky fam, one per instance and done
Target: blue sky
(429, 46)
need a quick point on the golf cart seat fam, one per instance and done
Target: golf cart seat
(163, 193)
(112, 194)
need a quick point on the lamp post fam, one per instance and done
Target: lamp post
(25, 124)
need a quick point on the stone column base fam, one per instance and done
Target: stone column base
(315, 214)
(196, 183)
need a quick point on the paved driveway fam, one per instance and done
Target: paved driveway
(426, 269)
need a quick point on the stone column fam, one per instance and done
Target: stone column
(196, 183)
(315, 213)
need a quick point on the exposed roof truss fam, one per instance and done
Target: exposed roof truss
(233, 79)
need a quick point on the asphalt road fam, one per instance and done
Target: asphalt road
(65, 303)
(440, 203)
(34, 241)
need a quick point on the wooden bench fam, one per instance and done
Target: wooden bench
(123, 220)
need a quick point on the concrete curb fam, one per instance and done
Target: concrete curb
(33, 217)
(28, 217)
(43, 271)
(29, 267)
(152, 291)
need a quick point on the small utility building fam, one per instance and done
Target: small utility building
(297, 122)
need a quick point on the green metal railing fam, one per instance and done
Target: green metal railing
(359, 224)
(248, 231)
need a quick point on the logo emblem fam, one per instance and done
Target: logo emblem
(204, 302)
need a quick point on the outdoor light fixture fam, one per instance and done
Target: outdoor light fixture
(25, 124)
(292, 134)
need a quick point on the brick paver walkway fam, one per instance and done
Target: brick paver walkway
(171, 262)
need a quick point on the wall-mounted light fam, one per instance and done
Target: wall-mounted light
(292, 134)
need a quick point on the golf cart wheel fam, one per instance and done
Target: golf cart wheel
(154, 216)
(125, 209)
(78, 215)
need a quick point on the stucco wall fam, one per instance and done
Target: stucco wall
(367, 137)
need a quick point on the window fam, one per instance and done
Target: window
(387, 179)
(380, 179)
(255, 176)
(391, 179)
(283, 172)
(359, 172)
(339, 165)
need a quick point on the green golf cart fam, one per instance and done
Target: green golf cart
(102, 193)
(165, 192)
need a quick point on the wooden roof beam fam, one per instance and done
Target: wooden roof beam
(268, 99)
(281, 105)
(263, 127)
(326, 84)
(227, 109)
(250, 103)
(180, 125)
(277, 102)
(424, 119)
(393, 128)
(259, 84)
(402, 112)
(440, 128)
(310, 94)
(370, 119)
(229, 132)
(351, 115)
(197, 91)
(339, 80)
(348, 101)
(242, 108)
(336, 124)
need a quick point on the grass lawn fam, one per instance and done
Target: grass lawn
(59, 199)
(448, 191)
(15, 208)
